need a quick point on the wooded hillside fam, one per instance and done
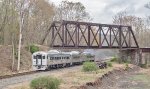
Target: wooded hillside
(25, 22)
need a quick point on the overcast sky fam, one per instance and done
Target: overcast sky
(102, 11)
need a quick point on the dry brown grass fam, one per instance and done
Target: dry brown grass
(74, 78)
(24, 85)
(6, 59)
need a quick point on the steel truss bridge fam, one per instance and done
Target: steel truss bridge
(82, 35)
(85, 35)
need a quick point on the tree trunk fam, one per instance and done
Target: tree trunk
(19, 48)
(13, 53)
(20, 37)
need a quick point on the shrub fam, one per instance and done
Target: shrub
(128, 61)
(143, 65)
(89, 66)
(89, 56)
(126, 66)
(33, 48)
(114, 59)
(45, 83)
(109, 64)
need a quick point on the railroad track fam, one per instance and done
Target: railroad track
(6, 81)
(18, 74)
(27, 73)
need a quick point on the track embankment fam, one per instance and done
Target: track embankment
(115, 79)
(10, 80)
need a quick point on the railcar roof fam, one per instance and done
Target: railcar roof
(39, 52)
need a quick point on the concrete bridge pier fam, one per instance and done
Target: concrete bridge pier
(130, 56)
(145, 57)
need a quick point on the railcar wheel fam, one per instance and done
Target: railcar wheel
(56, 66)
(68, 64)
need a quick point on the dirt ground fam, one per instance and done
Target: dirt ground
(135, 80)
(72, 78)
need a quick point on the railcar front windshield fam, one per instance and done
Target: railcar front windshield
(39, 56)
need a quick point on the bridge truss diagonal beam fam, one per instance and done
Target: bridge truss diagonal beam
(72, 34)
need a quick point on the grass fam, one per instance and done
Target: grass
(114, 59)
(142, 81)
(126, 66)
(77, 77)
(46, 82)
(109, 64)
(89, 66)
(141, 77)
(32, 48)
(143, 65)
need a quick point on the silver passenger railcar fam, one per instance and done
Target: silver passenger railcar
(39, 60)
(56, 59)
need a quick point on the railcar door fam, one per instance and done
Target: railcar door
(39, 60)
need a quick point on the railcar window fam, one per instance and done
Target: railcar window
(34, 57)
(39, 56)
(51, 58)
(43, 57)
(67, 57)
(55, 57)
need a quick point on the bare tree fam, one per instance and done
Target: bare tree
(39, 19)
(3, 17)
(22, 5)
(137, 24)
(74, 11)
